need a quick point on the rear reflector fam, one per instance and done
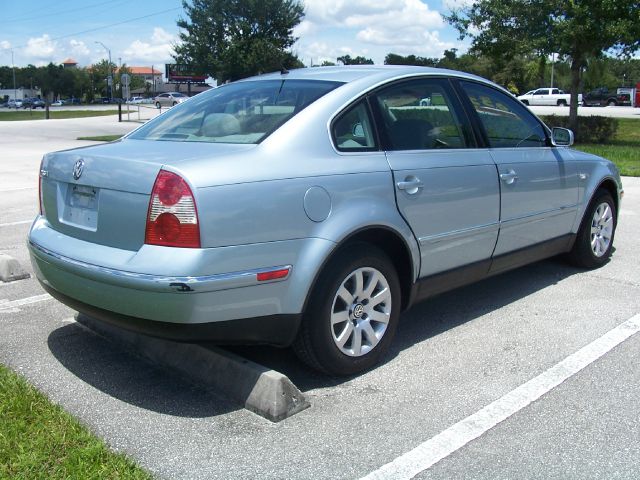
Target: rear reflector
(272, 275)
(172, 220)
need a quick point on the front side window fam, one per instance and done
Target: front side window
(243, 112)
(506, 122)
(419, 115)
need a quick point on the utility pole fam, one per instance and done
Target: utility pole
(14, 77)
(110, 77)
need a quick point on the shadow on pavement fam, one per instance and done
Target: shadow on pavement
(122, 375)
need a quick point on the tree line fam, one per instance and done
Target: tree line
(56, 81)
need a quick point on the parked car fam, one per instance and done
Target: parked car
(547, 96)
(169, 99)
(309, 208)
(33, 103)
(14, 103)
(57, 103)
(602, 96)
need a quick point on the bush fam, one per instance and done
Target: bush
(590, 129)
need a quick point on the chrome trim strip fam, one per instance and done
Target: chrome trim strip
(460, 234)
(157, 283)
(539, 216)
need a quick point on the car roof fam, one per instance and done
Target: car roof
(350, 73)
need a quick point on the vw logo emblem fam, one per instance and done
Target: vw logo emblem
(358, 310)
(77, 169)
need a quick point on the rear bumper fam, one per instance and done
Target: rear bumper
(180, 291)
(278, 330)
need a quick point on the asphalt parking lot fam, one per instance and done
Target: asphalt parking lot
(454, 399)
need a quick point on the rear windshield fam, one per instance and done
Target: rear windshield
(244, 112)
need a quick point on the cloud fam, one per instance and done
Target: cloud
(78, 49)
(4, 45)
(370, 28)
(156, 50)
(41, 49)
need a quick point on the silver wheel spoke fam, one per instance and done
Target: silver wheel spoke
(370, 333)
(344, 335)
(339, 317)
(373, 282)
(379, 317)
(356, 344)
(382, 296)
(359, 284)
(345, 295)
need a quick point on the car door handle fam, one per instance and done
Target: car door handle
(509, 177)
(410, 185)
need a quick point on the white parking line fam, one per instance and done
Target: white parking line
(457, 436)
(12, 307)
(21, 222)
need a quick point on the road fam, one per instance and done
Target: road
(453, 356)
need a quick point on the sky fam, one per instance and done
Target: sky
(142, 33)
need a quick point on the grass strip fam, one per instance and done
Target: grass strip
(102, 138)
(40, 440)
(623, 149)
(53, 114)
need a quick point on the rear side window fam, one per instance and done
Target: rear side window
(506, 122)
(353, 130)
(243, 112)
(421, 115)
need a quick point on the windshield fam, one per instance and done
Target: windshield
(243, 112)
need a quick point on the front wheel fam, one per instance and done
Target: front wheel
(594, 241)
(352, 314)
(612, 103)
(562, 103)
(158, 105)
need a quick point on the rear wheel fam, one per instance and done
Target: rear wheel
(562, 103)
(594, 241)
(612, 103)
(157, 104)
(352, 314)
(526, 102)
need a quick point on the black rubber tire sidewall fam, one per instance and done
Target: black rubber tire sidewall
(581, 254)
(324, 353)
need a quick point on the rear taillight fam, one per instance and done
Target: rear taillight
(172, 220)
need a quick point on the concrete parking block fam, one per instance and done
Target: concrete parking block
(261, 390)
(10, 269)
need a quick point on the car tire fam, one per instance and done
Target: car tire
(612, 103)
(594, 241)
(158, 105)
(174, 104)
(338, 334)
(562, 103)
(526, 102)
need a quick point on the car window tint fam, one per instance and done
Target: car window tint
(506, 122)
(243, 112)
(419, 115)
(353, 129)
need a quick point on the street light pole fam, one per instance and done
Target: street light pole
(14, 77)
(110, 78)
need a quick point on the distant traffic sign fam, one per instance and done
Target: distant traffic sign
(181, 73)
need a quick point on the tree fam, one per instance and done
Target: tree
(233, 39)
(577, 30)
(347, 60)
(394, 59)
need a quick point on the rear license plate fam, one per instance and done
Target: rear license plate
(81, 207)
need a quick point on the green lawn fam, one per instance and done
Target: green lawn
(101, 138)
(40, 440)
(624, 148)
(54, 114)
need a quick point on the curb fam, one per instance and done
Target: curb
(10, 269)
(265, 392)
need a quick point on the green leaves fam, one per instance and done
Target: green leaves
(233, 39)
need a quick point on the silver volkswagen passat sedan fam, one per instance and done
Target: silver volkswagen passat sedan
(309, 208)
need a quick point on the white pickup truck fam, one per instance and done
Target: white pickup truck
(547, 96)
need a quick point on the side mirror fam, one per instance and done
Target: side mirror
(561, 137)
